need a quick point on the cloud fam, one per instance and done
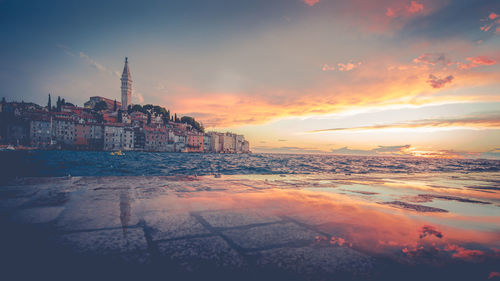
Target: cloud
(428, 230)
(492, 23)
(326, 67)
(476, 61)
(398, 150)
(492, 154)
(490, 121)
(399, 10)
(437, 82)
(415, 7)
(137, 98)
(440, 59)
(459, 252)
(390, 13)
(341, 66)
(90, 61)
(66, 49)
(494, 274)
(348, 66)
(287, 149)
(311, 2)
(433, 59)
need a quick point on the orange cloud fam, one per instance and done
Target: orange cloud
(492, 23)
(326, 67)
(400, 10)
(415, 7)
(476, 61)
(477, 122)
(341, 66)
(437, 82)
(348, 66)
(376, 84)
(311, 2)
(390, 13)
(433, 59)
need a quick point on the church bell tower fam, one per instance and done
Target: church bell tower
(126, 86)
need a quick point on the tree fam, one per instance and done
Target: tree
(58, 104)
(101, 105)
(114, 106)
(63, 102)
(120, 115)
(136, 107)
(149, 118)
(195, 124)
(49, 104)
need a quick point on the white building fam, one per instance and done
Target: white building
(40, 131)
(113, 135)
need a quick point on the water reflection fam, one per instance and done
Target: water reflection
(125, 210)
(366, 224)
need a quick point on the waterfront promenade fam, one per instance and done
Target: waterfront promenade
(266, 227)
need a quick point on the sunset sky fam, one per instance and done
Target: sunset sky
(378, 77)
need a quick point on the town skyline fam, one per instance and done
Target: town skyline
(410, 78)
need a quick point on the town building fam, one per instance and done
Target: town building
(63, 129)
(40, 131)
(112, 126)
(113, 134)
(94, 100)
(194, 142)
(156, 139)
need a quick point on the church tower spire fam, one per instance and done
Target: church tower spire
(126, 86)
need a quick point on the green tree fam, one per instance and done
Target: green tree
(58, 104)
(49, 104)
(195, 124)
(149, 118)
(101, 105)
(114, 106)
(136, 107)
(120, 116)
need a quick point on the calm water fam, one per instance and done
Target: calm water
(85, 163)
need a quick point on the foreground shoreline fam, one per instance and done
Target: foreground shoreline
(247, 227)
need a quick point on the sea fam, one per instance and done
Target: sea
(193, 216)
(39, 163)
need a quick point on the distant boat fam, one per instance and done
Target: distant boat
(118, 153)
(8, 148)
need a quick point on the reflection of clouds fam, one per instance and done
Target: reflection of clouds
(362, 225)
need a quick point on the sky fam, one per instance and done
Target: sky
(378, 77)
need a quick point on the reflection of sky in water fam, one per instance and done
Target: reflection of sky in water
(370, 215)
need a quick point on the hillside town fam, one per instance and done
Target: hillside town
(109, 125)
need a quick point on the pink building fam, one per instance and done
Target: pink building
(194, 142)
(156, 139)
(82, 135)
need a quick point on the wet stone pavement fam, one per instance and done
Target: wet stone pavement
(251, 228)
